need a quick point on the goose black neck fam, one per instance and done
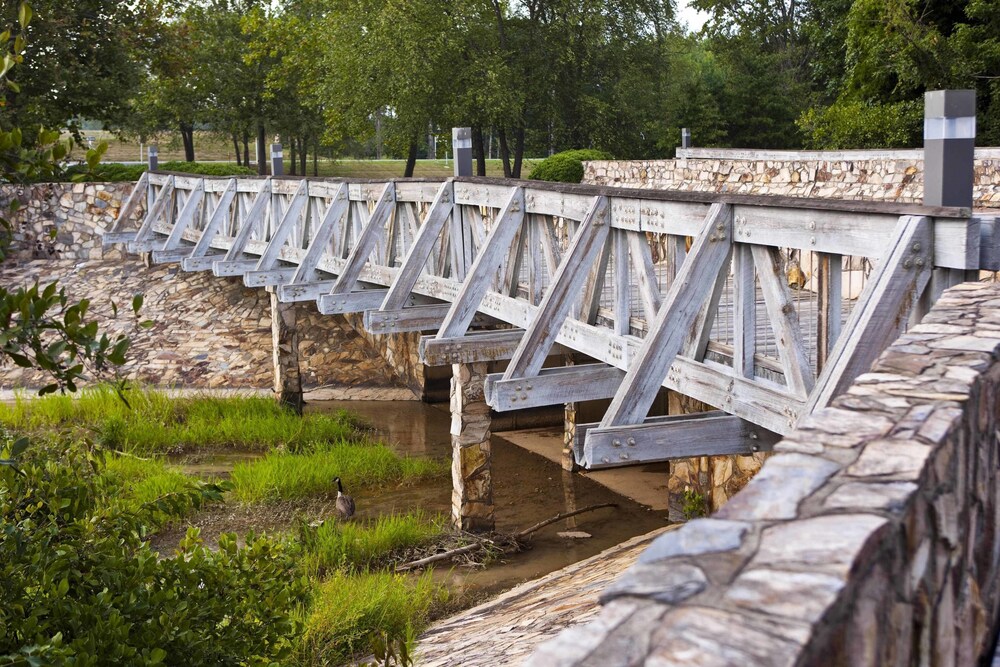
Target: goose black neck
(340, 487)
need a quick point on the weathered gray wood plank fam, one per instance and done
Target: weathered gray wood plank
(584, 382)
(678, 313)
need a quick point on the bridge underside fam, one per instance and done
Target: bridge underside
(764, 308)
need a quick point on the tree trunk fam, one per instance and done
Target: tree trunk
(518, 151)
(187, 136)
(236, 147)
(261, 150)
(292, 172)
(246, 149)
(316, 157)
(303, 155)
(411, 159)
(477, 150)
(504, 152)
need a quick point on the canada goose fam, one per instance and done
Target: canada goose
(345, 504)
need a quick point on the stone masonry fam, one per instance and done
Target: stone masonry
(870, 537)
(471, 459)
(64, 220)
(897, 177)
(207, 332)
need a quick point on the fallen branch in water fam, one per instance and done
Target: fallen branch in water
(559, 517)
(475, 546)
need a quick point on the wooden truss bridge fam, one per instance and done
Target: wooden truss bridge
(687, 291)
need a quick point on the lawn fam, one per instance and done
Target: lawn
(210, 148)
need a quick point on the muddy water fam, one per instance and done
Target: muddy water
(527, 489)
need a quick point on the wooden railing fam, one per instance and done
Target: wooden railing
(763, 307)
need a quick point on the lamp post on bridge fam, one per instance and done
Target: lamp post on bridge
(461, 148)
(949, 147)
(277, 162)
(153, 157)
(949, 161)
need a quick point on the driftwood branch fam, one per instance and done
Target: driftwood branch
(469, 548)
(559, 517)
(475, 546)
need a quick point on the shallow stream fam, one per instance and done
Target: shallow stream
(527, 489)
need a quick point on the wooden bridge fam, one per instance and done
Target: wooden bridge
(658, 289)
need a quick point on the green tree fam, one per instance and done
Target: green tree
(84, 62)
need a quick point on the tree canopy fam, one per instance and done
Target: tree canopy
(382, 78)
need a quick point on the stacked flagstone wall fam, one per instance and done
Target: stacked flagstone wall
(207, 332)
(894, 176)
(869, 538)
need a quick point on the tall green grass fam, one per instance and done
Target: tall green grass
(351, 612)
(354, 546)
(292, 476)
(155, 422)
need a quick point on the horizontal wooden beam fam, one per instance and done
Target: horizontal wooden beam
(415, 318)
(471, 348)
(712, 433)
(235, 267)
(268, 278)
(587, 382)
(351, 302)
(201, 263)
(169, 256)
(112, 238)
(308, 291)
(146, 245)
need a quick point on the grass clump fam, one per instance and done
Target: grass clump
(292, 476)
(352, 613)
(353, 546)
(133, 482)
(152, 421)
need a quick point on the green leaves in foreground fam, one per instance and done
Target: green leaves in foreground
(41, 328)
(78, 585)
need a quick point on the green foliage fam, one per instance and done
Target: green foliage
(354, 614)
(114, 172)
(151, 421)
(42, 328)
(132, 482)
(79, 586)
(565, 167)
(694, 504)
(290, 476)
(354, 546)
(846, 125)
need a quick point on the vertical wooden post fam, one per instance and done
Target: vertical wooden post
(471, 476)
(285, 345)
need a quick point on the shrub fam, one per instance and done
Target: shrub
(566, 167)
(847, 125)
(112, 172)
(79, 586)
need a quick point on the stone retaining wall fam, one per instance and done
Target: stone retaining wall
(63, 220)
(869, 538)
(207, 332)
(892, 176)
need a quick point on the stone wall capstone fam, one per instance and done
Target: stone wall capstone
(870, 537)
(891, 178)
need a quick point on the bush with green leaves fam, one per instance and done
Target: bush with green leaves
(847, 125)
(78, 585)
(116, 172)
(566, 167)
